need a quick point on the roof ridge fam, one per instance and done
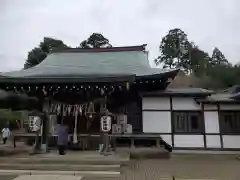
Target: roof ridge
(107, 49)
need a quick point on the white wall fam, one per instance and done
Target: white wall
(213, 141)
(210, 107)
(185, 103)
(188, 141)
(160, 122)
(229, 107)
(155, 103)
(211, 121)
(156, 121)
(231, 141)
(167, 138)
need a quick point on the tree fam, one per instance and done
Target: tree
(219, 69)
(196, 60)
(49, 44)
(173, 48)
(35, 56)
(38, 54)
(96, 40)
(218, 58)
(213, 72)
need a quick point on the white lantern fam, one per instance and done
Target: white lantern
(106, 123)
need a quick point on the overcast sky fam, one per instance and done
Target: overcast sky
(209, 23)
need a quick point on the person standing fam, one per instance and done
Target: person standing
(5, 134)
(62, 132)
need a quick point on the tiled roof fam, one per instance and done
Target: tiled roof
(77, 62)
(229, 95)
(235, 96)
(190, 90)
(180, 92)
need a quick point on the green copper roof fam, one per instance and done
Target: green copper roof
(90, 63)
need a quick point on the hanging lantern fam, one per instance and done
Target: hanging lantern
(102, 91)
(80, 109)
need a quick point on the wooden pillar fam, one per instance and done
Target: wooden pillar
(132, 143)
(203, 124)
(158, 143)
(45, 128)
(45, 125)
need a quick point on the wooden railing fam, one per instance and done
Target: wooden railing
(92, 141)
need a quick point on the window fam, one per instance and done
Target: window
(229, 122)
(187, 122)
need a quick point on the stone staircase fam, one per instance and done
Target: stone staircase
(77, 163)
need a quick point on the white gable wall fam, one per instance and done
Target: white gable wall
(185, 103)
(156, 103)
(229, 107)
(210, 107)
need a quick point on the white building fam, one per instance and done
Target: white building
(193, 119)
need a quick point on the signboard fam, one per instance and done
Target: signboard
(34, 123)
(106, 123)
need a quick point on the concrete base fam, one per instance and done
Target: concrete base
(48, 177)
(204, 152)
(60, 173)
(44, 148)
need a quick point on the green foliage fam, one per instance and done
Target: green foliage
(197, 61)
(8, 117)
(38, 54)
(35, 57)
(218, 58)
(49, 44)
(17, 101)
(173, 49)
(95, 40)
(215, 71)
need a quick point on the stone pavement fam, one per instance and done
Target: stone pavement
(9, 150)
(182, 167)
(222, 168)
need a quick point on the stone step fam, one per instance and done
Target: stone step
(104, 160)
(60, 167)
(96, 174)
(149, 153)
(48, 177)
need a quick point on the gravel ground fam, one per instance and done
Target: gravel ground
(181, 167)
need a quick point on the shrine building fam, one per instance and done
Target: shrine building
(78, 85)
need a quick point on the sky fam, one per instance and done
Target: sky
(24, 23)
